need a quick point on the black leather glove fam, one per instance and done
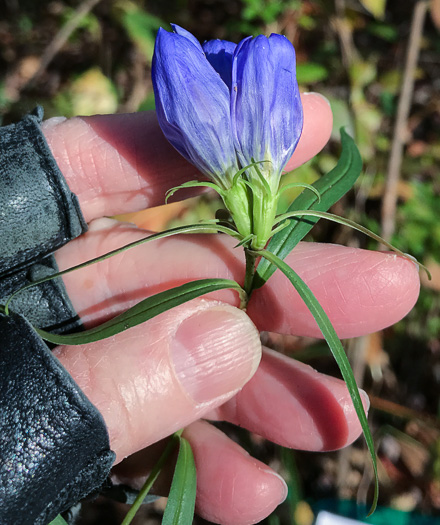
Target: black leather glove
(54, 447)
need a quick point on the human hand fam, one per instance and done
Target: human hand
(191, 362)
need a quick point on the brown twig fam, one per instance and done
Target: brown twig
(139, 84)
(402, 412)
(345, 34)
(61, 38)
(389, 202)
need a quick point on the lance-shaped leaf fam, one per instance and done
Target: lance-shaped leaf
(143, 311)
(182, 496)
(141, 498)
(337, 350)
(208, 227)
(331, 188)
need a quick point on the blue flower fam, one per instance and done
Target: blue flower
(193, 105)
(225, 107)
(221, 100)
(219, 54)
(266, 109)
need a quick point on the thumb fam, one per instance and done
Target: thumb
(162, 375)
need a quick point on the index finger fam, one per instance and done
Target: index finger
(123, 163)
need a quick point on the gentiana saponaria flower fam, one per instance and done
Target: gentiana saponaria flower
(193, 105)
(226, 107)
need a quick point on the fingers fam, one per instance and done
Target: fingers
(286, 402)
(232, 486)
(123, 163)
(116, 163)
(317, 128)
(162, 375)
(361, 291)
(295, 406)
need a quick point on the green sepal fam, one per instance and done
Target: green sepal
(193, 184)
(243, 170)
(299, 185)
(337, 350)
(331, 187)
(238, 202)
(144, 310)
(182, 495)
(280, 227)
(262, 178)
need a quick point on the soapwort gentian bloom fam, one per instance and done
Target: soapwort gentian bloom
(193, 105)
(226, 107)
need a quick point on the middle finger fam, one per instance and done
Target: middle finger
(361, 291)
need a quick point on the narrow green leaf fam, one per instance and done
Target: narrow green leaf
(182, 496)
(207, 227)
(143, 311)
(171, 445)
(337, 350)
(355, 226)
(331, 188)
(59, 520)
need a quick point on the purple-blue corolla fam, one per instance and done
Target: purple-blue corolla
(225, 107)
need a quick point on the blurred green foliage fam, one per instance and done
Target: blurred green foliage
(419, 227)
(140, 25)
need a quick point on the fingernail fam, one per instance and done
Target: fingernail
(317, 95)
(366, 399)
(414, 260)
(284, 489)
(215, 352)
(103, 223)
(52, 122)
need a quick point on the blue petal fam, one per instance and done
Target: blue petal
(193, 106)
(266, 108)
(183, 32)
(219, 54)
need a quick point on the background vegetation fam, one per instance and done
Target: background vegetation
(379, 65)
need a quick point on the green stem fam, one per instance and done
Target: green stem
(251, 258)
(152, 478)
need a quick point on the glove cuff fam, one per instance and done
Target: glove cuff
(52, 436)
